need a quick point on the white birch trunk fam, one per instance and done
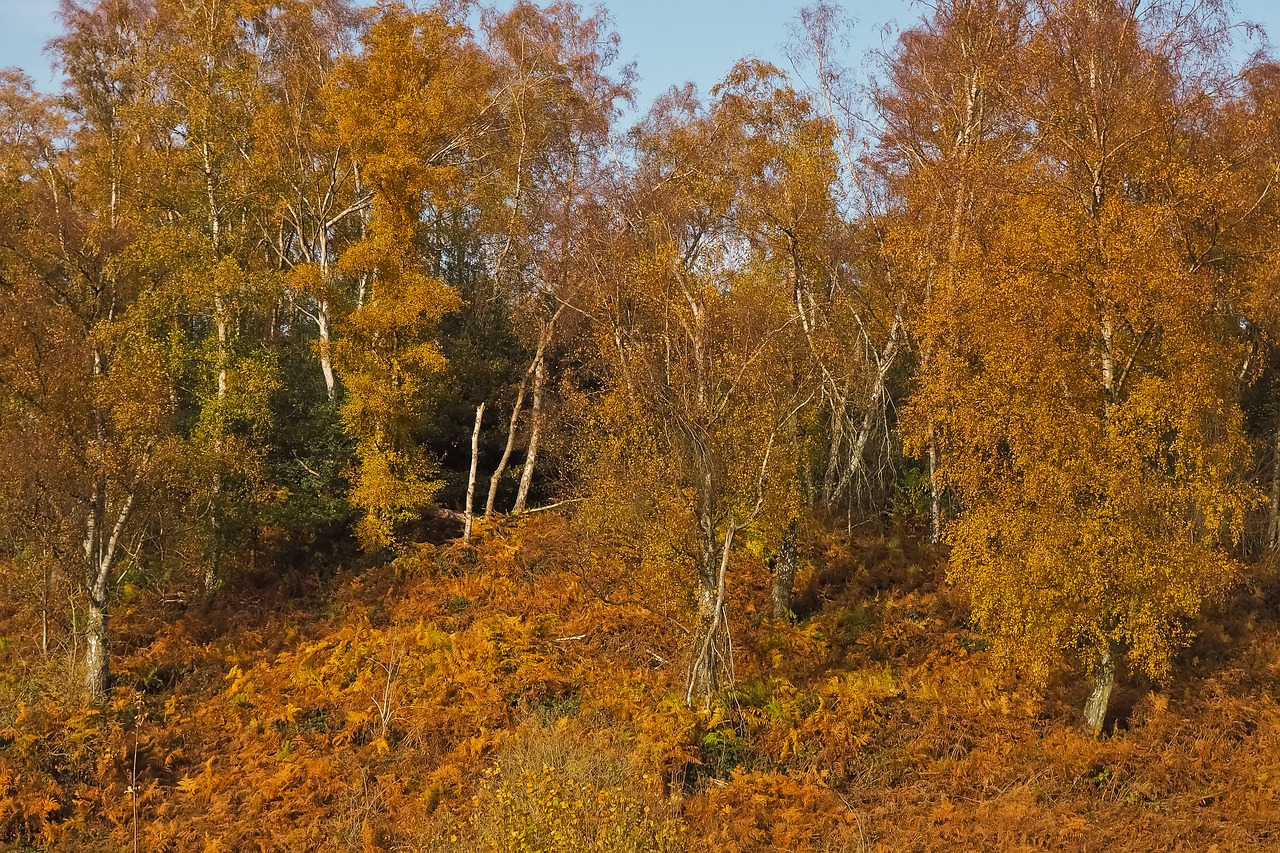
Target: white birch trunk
(96, 656)
(100, 559)
(471, 478)
(215, 492)
(707, 656)
(535, 429)
(326, 351)
(935, 495)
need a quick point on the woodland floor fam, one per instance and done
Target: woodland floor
(486, 698)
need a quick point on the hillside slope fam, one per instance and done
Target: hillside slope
(488, 698)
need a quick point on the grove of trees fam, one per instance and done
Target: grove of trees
(307, 281)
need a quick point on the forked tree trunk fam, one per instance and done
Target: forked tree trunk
(1104, 678)
(784, 573)
(708, 656)
(874, 407)
(510, 445)
(100, 553)
(539, 372)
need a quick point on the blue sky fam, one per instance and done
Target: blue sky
(671, 41)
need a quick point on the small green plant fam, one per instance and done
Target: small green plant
(552, 708)
(910, 504)
(722, 752)
(850, 624)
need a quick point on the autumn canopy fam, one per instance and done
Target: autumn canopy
(385, 314)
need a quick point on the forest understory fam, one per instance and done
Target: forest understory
(485, 697)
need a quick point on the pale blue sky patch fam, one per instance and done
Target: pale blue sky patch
(25, 27)
(671, 41)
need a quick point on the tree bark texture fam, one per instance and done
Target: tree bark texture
(709, 657)
(784, 573)
(97, 658)
(471, 479)
(1104, 678)
(535, 429)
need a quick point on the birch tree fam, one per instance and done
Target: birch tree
(687, 452)
(557, 94)
(409, 108)
(85, 410)
(1084, 391)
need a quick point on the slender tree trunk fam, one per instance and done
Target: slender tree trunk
(96, 580)
(784, 573)
(471, 478)
(535, 429)
(506, 450)
(935, 495)
(322, 317)
(326, 351)
(215, 534)
(1273, 525)
(222, 323)
(96, 658)
(874, 403)
(1104, 678)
